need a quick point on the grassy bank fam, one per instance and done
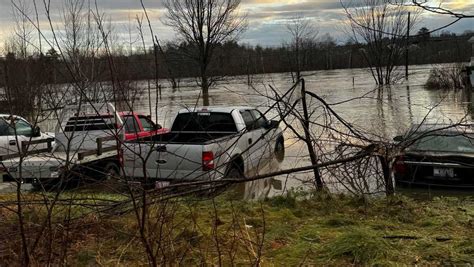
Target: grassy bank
(281, 231)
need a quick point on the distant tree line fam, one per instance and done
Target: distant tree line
(230, 59)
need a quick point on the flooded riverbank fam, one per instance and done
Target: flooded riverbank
(382, 113)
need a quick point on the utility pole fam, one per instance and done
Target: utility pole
(406, 46)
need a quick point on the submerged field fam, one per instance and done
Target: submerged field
(282, 231)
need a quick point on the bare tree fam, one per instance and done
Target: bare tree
(74, 27)
(22, 40)
(204, 24)
(382, 25)
(302, 33)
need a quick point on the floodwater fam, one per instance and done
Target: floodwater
(381, 114)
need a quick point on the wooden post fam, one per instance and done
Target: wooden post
(312, 153)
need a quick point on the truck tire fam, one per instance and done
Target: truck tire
(234, 171)
(38, 187)
(111, 176)
(280, 150)
(111, 171)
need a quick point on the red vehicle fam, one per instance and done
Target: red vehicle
(140, 126)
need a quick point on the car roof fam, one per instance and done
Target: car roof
(223, 109)
(442, 127)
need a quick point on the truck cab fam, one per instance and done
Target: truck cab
(139, 126)
(14, 130)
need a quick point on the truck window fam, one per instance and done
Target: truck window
(90, 123)
(204, 121)
(130, 124)
(22, 128)
(4, 128)
(260, 118)
(248, 119)
(147, 124)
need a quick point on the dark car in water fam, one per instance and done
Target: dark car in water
(436, 155)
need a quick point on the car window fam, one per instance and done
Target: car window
(248, 119)
(147, 124)
(22, 128)
(261, 121)
(130, 123)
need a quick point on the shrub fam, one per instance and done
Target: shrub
(446, 77)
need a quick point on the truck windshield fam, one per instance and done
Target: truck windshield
(204, 122)
(20, 128)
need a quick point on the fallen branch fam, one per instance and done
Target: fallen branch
(410, 237)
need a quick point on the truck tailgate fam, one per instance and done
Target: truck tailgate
(165, 161)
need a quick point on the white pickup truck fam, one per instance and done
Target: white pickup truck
(206, 143)
(87, 140)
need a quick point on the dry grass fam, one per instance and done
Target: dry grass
(316, 230)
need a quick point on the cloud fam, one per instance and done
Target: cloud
(266, 17)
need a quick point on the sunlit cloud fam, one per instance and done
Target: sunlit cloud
(458, 5)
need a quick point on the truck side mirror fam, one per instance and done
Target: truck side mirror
(36, 131)
(398, 138)
(272, 124)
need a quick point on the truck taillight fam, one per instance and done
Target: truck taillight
(207, 161)
(399, 166)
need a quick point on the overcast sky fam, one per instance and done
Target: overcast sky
(266, 18)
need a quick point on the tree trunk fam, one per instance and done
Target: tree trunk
(389, 189)
(312, 153)
(205, 90)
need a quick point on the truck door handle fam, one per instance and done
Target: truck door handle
(160, 161)
(250, 141)
(12, 142)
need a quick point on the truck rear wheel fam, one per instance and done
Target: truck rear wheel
(111, 171)
(111, 176)
(234, 171)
